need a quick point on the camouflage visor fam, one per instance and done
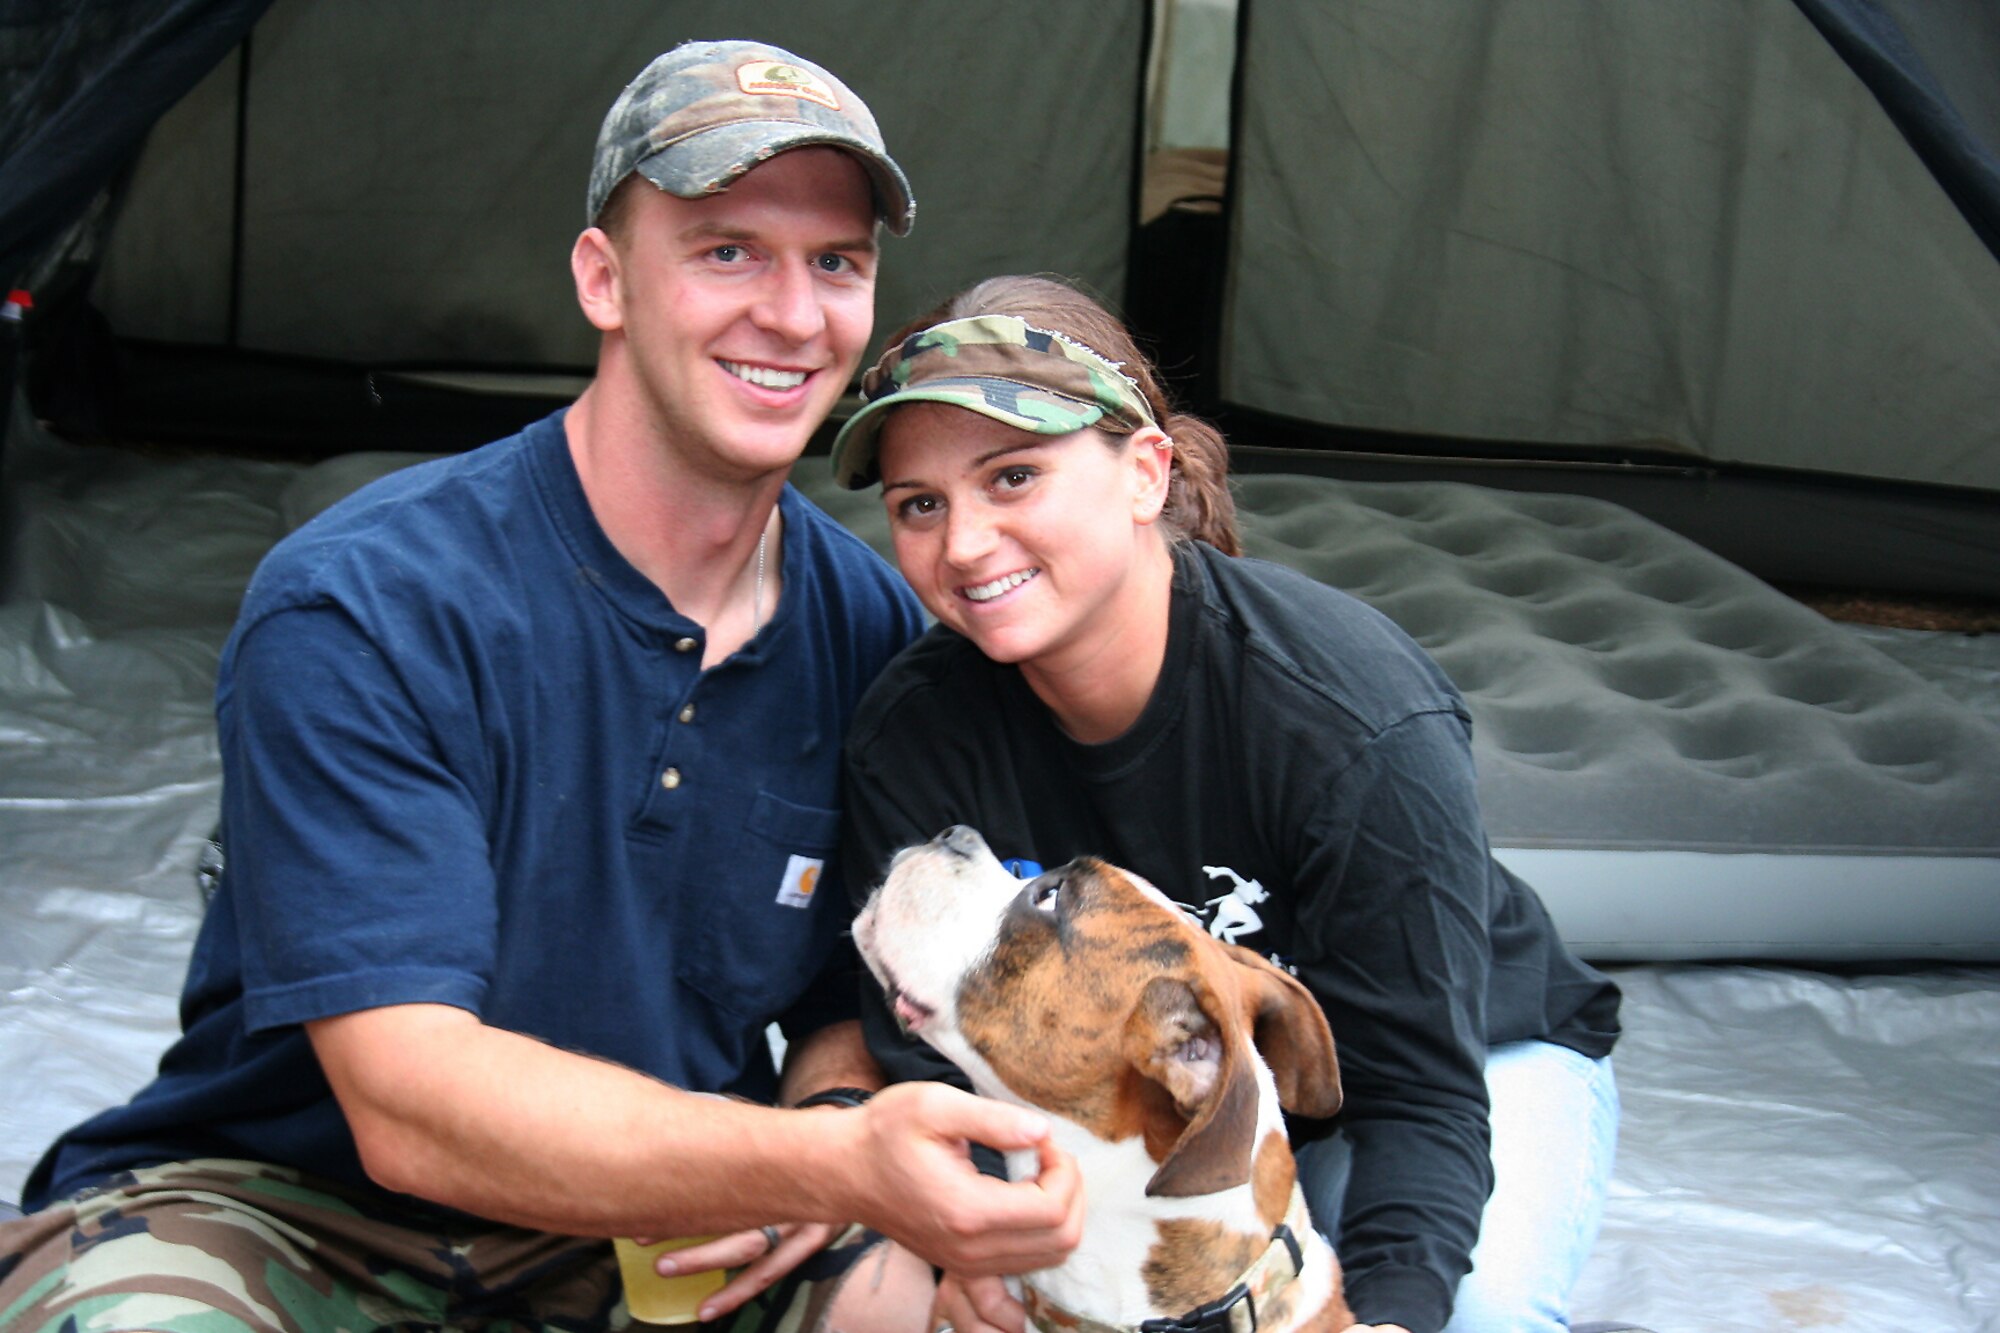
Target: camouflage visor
(998, 366)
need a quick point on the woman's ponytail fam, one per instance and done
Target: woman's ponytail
(1199, 504)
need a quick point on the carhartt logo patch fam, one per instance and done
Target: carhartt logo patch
(801, 878)
(767, 78)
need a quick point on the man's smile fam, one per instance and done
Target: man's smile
(765, 377)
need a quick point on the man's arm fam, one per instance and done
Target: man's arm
(505, 1127)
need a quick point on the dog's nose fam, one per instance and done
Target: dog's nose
(961, 841)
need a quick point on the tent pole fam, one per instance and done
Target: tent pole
(236, 208)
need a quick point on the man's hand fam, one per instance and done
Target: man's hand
(929, 1196)
(917, 1185)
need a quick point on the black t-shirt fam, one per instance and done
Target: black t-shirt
(1302, 782)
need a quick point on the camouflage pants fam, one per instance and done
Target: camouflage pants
(230, 1247)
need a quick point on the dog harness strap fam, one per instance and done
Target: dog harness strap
(1235, 1311)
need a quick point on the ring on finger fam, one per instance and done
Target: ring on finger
(771, 1238)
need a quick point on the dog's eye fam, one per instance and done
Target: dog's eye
(1046, 893)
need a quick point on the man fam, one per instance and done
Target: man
(531, 762)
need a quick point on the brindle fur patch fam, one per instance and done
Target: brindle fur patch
(1194, 1261)
(1165, 951)
(1048, 1012)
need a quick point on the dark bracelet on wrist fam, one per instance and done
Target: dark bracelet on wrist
(835, 1097)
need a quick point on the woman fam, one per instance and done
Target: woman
(1108, 677)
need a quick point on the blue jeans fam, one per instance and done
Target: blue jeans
(1555, 1132)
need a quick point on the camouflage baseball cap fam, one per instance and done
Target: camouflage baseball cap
(998, 366)
(706, 112)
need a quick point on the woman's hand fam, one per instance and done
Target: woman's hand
(761, 1262)
(977, 1305)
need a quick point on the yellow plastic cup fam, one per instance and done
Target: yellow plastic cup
(664, 1300)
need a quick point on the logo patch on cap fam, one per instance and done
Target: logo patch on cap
(773, 78)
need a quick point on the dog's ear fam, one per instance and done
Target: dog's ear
(1174, 1038)
(1291, 1034)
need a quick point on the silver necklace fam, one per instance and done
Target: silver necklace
(757, 597)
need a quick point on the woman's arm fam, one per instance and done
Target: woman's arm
(833, 1057)
(1394, 897)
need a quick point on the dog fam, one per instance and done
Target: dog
(1161, 1055)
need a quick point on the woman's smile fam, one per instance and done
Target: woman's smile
(986, 592)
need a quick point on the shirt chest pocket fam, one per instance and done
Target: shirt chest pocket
(763, 923)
